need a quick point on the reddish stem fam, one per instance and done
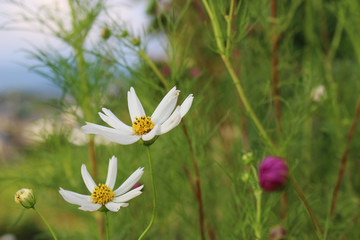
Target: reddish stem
(197, 183)
(276, 91)
(275, 63)
(343, 160)
(191, 181)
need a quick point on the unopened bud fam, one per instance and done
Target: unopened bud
(25, 197)
(247, 158)
(124, 33)
(245, 177)
(194, 72)
(273, 173)
(135, 41)
(277, 233)
(166, 71)
(105, 33)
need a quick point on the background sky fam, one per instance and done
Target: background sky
(14, 73)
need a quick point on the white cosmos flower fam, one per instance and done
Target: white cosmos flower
(103, 194)
(143, 127)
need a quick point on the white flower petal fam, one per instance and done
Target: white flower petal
(111, 134)
(150, 135)
(172, 122)
(112, 170)
(134, 104)
(165, 107)
(129, 195)
(96, 129)
(185, 106)
(90, 207)
(89, 182)
(75, 198)
(114, 207)
(113, 121)
(130, 182)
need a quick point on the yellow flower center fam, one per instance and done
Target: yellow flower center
(142, 125)
(102, 194)
(18, 198)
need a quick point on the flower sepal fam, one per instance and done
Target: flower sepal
(150, 142)
(103, 209)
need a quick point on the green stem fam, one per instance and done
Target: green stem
(246, 102)
(107, 226)
(46, 223)
(228, 32)
(154, 68)
(218, 37)
(302, 197)
(154, 195)
(219, 42)
(257, 194)
(258, 214)
(81, 64)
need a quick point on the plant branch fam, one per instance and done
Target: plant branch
(154, 68)
(275, 62)
(197, 182)
(343, 159)
(311, 213)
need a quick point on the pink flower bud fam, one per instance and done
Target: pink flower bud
(273, 173)
(277, 233)
(136, 185)
(194, 72)
(166, 71)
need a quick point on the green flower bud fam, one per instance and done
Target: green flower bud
(105, 33)
(25, 197)
(135, 41)
(124, 33)
(247, 158)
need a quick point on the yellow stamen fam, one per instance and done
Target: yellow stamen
(142, 125)
(102, 194)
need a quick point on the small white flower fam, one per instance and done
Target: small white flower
(103, 194)
(319, 93)
(143, 127)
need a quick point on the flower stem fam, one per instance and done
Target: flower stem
(197, 189)
(154, 195)
(245, 101)
(46, 223)
(81, 64)
(275, 61)
(343, 160)
(257, 194)
(107, 226)
(311, 213)
(225, 58)
(154, 68)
